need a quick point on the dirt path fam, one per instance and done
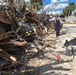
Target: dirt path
(47, 64)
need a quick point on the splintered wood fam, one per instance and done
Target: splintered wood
(14, 48)
(6, 46)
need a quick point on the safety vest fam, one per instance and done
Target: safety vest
(27, 34)
(57, 20)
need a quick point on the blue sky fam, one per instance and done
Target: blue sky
(61, 1)
(49, 4)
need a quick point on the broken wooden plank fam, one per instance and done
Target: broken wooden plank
(9, 57)
(4, 18)
(4, 37)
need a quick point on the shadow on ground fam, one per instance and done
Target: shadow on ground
(46, 69)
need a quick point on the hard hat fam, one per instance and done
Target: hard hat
(57, 13)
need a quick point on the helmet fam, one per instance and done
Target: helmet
(57, 13)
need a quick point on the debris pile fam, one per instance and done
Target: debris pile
(18, 32)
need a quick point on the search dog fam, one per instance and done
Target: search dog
(72, 44)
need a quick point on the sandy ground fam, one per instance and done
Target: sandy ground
(47, 64)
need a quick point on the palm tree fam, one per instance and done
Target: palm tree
(68, 9)
(72, 6)
(35, 5)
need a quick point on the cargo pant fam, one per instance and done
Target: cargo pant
(57, 28)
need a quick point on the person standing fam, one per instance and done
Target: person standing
(57, 25)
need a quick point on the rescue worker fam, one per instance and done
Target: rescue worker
(57, 25)
(51, 16)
